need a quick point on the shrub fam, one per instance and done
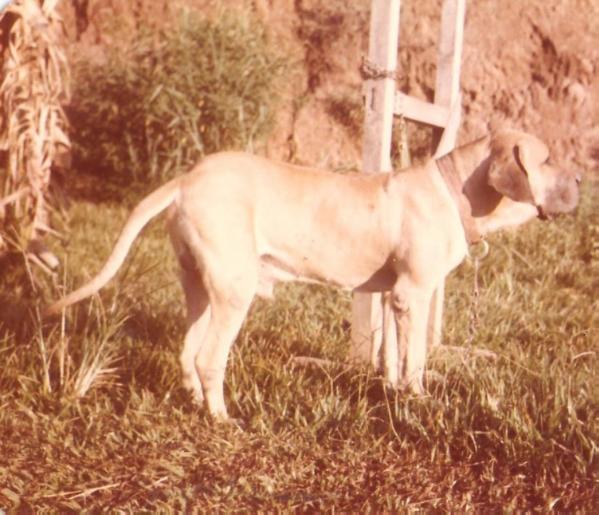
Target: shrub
(147, 113)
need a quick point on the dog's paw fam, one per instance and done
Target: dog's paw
(226, 422)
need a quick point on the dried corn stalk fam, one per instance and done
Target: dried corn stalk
(33, 127)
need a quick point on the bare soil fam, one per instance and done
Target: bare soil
(532, 65)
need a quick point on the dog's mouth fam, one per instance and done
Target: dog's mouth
(542, 214)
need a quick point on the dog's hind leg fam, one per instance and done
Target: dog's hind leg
(229, 305)
(198, 316)
(228, 265)
(196, 299)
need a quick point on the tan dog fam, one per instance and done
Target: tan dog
(240, 224)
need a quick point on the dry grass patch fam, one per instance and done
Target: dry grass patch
(33, 126)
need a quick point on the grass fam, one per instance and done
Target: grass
(92, 414)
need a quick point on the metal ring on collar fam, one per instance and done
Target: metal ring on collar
(479, 251)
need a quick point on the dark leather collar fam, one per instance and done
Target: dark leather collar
(455, 186)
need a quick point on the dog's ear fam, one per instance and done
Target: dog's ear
(510, 172)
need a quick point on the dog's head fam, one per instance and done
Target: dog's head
(521, 170)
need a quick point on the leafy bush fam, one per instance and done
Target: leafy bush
(146, 113)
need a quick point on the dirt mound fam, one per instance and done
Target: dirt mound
(532, 65)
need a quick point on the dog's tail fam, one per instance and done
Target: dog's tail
(148, 208)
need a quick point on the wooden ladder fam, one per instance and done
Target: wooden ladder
(382, 103)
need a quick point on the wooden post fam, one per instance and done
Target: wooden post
(376, 157)
(447, 94)
(449, 62)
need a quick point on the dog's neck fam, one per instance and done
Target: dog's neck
(455, 186)
(490, 210)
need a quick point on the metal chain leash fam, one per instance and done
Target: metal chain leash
(474, 317)
(370, 71)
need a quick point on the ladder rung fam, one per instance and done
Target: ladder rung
(418, 110)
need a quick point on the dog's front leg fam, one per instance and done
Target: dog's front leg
(391, 361)
(410, 306)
